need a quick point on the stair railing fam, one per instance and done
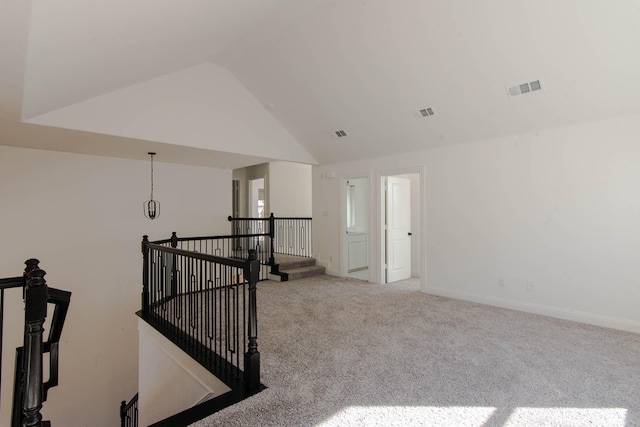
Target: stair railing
(288, 235)
(5, 284)
(206, 305)
(129, 412)
(30, 391)
(231, 246)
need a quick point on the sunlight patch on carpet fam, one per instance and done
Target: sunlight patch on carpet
(461, 416)
(609, 417)
(410, 416)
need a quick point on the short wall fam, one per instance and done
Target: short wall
(169, 380)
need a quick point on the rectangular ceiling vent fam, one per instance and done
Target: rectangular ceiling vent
(425, 112)
(524, 88)
(339, 134)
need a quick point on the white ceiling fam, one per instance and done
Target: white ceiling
(365, 66)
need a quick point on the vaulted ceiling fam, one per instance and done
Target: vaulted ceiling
(366, 67)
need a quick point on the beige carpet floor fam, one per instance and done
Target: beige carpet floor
(342, 352)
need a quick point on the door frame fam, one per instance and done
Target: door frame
(378, 184)
(344, 255)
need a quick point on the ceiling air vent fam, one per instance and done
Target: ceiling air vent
(339, 134)
(425, 112)
(524, 88)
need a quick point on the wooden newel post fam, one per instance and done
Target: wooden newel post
(174, 266)
(252, 356)
(272, 235)
(30, 264)
(145, 274)
(123, 413)
(36, 296)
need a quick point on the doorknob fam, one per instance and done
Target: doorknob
(408, 234)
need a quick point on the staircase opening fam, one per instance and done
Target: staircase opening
(199, 293)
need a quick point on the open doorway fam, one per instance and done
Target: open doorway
(356, 225)
(256, 198)
(400, 227)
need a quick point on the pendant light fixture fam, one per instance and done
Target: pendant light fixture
(151, 207)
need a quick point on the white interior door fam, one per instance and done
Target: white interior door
(398, 239)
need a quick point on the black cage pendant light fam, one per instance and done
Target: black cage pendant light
(151, 207)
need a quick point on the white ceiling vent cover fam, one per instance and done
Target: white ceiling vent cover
(339, 134)
(524, 88)
(425, 112)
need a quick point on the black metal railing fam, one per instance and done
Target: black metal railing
(230, 246)
(30, 391)
(292, 236)
(6, 284)
(129, 412)
(287, 235)
(206, 305)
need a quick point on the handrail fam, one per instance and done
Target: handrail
(235, 246)
(232, 218)
(197, 255)
(227, 236)
(12, 282)
(206, 305)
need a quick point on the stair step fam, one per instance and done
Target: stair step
(308, 271)
(291, 262)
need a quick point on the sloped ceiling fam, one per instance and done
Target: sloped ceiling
(317, 66)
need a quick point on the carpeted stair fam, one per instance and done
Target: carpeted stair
(290, 267)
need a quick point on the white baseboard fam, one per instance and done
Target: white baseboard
(545, 310)
(332, 272)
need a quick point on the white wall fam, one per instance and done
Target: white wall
(82, 217)
(184, 383)
(290, 189)
(558, 208)
(253, 173)
(287, 187)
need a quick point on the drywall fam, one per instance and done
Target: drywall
(82, 217)
(289, 189)
(553, 216)
(244, 176)
(184, 383)
(203, 106)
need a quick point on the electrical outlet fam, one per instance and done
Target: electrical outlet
(531, 286)
(500, 282)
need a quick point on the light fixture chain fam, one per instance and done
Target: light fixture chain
(152, 177)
